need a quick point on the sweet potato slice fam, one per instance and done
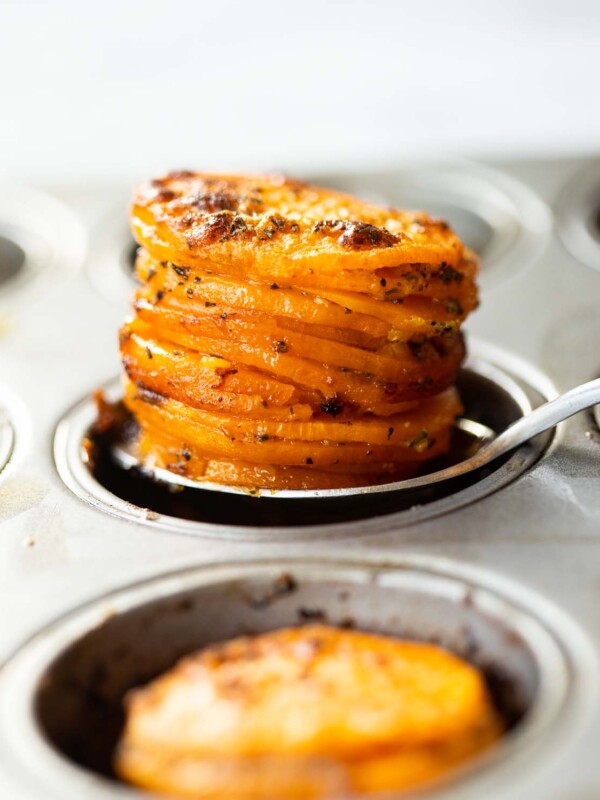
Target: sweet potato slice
(307, 712)
(209, 435)
(257, 221)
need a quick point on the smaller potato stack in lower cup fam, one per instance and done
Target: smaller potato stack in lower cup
(287, 336)
(305, 714)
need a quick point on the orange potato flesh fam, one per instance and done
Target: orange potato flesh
(195, 431)
(271, 451)
(305, 712)
(392, 362)
(167, 455)
(428, 280)
(206, 381)
(289, 336)
(394, 432)
(359, 388)
(413, 312)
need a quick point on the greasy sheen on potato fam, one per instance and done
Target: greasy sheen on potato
(308, 712)
(288, 336)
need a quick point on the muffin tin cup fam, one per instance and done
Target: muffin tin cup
(15, 429)
(61, 693)
(111, 267)
(491, 393)
(39, 237)
(578, 216)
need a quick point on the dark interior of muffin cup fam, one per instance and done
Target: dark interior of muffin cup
(79, 699)
(593, 223)
(12, 257)
(129, 256)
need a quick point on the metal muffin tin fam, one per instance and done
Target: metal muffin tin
(535, 533)
(63, 691)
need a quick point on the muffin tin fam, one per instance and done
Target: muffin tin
(65, 688)
(503, 570)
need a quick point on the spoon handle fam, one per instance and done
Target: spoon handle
(542, 419)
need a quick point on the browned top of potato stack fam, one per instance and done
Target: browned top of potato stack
(288, 336)
(276, 711)
(261, 222)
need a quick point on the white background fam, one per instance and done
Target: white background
(120, 88)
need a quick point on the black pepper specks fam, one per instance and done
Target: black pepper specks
(183, 272)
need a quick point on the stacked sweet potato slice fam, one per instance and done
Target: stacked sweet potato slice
(306, 713)
(287, 336)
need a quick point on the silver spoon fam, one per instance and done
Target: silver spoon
(492, 447)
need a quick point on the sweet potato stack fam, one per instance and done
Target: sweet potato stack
(287, 336)
(310, 712)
